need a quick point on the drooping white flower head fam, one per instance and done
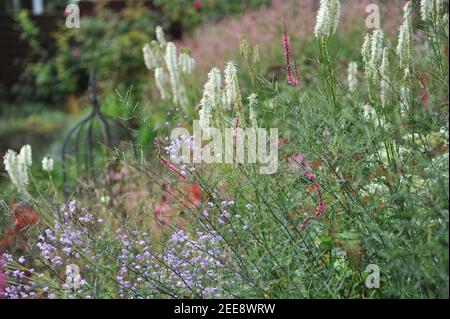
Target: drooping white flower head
(404, 47)
(376, 47)
(17, 165)
(11, 162)
(229, 72)
(366, 49)
(372, 52)
(149, 58)
(384, 71)
(426, 9)
(327, 18)
(25, 155)
(174, 74)
(433, 11)
(210, 99)
(47, 164)
(160, 36)
(352, 76)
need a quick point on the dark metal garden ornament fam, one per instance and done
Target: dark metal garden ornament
(84, 145)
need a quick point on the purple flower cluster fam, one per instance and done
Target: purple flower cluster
(194, 267)
(68, 239)
(22, 287)
(60, 247)
(135, 265)
(185, 267)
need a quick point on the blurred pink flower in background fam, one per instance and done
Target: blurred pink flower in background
(76, 52)
(197, 5)
(214, 43)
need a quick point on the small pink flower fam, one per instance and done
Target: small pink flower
(197, 5)
(310, 176)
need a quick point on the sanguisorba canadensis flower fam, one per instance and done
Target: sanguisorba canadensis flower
(372, 53)
(232, 89)
(404, 47)
(17, 165)
(210, 99)
(160, 36)
(365, 50)
(384, 70)
(352, 76)
(172, 66)
(433, 11)
(327, 18)
(376, 53)
(287, 55)
(47, 164)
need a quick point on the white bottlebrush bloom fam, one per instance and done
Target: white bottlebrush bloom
(404, 47)
(376, 47)
(186, 62)
(232, 88)
(25, 155)
(16, 165)
(427, 9)
(174, 74)
(47, 164)
(366, 49)
(205, 115)
(210, 99)
(236, 99)
(433, 11)
(11, 163)
(327, 18)
(352, 76)
(160, 37)
(149, 58)
(384, 77)
(252, 101)
(160, 81)
(229, 72)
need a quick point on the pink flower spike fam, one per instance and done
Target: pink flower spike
(287, 48)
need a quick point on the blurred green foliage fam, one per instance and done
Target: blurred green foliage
(111, 41)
